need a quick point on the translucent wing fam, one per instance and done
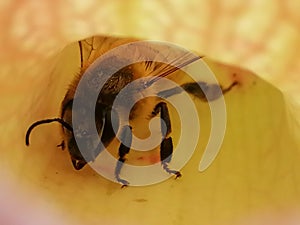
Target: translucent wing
(93, 47)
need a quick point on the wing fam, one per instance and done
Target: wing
(93, 47)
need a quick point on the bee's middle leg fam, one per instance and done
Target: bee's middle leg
(166, 146)
(126, 138)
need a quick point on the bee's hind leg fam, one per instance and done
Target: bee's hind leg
(166, 146)
(126, 138)
(166, 150)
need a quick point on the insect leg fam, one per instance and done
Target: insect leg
(166, 146)
(166, 150)
(201, 90)
(126, 138)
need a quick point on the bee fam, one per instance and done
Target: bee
(91, 49)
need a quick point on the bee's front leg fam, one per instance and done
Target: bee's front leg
(126, 138)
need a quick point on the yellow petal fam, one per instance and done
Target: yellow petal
(254, 177)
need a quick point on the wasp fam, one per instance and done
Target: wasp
(92, 48)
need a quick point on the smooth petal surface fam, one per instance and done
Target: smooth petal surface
(256, 174)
